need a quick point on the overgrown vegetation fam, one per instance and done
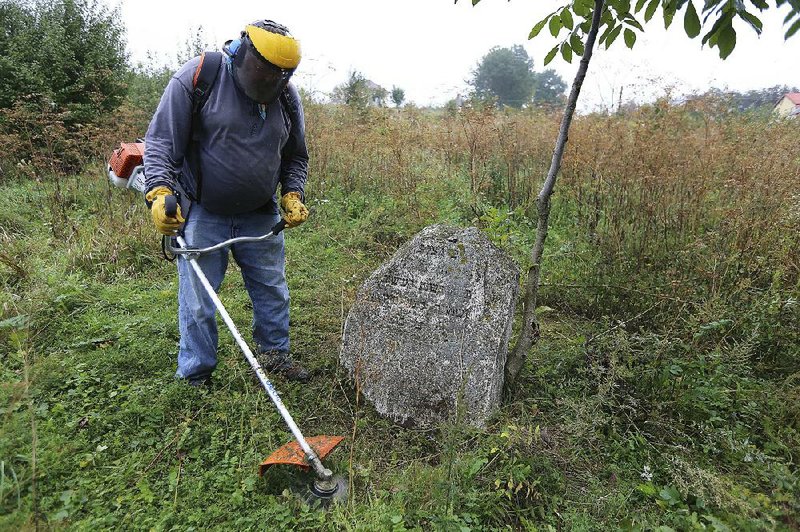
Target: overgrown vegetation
(63, 65)
(663, 392)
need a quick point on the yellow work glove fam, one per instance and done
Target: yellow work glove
(166, 225)
(296, 212)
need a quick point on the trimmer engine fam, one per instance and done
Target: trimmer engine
(126, 167)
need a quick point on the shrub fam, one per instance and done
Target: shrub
(63, 70)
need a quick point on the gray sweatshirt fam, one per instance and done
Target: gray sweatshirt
(240, 153)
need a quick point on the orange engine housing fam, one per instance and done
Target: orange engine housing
(127, 157)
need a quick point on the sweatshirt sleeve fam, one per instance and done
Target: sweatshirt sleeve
(294, 157)
(168, 136)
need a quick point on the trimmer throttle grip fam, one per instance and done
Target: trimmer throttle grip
(280, 226)
(171, 205)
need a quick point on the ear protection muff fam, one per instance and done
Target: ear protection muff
(231, 47)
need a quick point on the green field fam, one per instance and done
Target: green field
(664, 392)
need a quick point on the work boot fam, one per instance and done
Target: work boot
(281, 363)
(201, 382)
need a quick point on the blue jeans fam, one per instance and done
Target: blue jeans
(262, 265)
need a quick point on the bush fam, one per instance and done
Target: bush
(63, 70)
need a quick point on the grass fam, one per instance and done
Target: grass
(660, 396)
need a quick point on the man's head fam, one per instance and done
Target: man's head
(263, 60)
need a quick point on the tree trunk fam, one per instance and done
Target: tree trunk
(530, 327)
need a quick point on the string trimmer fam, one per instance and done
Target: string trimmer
(126, 170)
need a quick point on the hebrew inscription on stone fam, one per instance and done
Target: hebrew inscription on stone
(427, 337)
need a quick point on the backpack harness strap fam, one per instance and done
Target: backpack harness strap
(205, 75)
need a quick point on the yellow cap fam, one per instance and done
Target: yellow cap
(282, 51)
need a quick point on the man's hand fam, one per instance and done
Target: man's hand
(296, 212)
(166, 225)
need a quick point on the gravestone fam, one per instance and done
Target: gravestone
(427, 337)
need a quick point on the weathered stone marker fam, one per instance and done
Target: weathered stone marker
(427, 336)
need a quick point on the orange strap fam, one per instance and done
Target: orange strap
(198, 69)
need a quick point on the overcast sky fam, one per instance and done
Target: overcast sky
(430, 47)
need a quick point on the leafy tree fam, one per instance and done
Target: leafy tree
(146, 83)
(16, 23)
(69, 52)
(354, 92)
(505, 74)
(147, 79)
(583, 21)
(359, 92)
(550, 88)
(398, 96)
(195, 44)
(377, 93)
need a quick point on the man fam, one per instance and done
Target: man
(229, 158)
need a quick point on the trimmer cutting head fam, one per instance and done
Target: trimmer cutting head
(325, 489)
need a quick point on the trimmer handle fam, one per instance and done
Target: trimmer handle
(278, 227)
(195, 252)
(171, 205)
(171, 210)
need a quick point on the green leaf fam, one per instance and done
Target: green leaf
(15, 322)
(550, 55)
(582, 8)
(537, 28)
(670, 495)
(630, 37)
(613, 36)
(668, 16)
(753, 20)
(475, 2)
(476, 466)
(723, 20)
(651, 10)
(145, 491)
(566, 18)
(631, 21)
(622, 6)
(566, 52)
(793, 29)
(555, 26)
(605, 34)
(648, 489)
(639, 5)
(691, 22)
(716, 524)
(726, 41)
(577, 44)
(760, 4)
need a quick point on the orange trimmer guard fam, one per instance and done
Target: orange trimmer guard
(292, 453)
